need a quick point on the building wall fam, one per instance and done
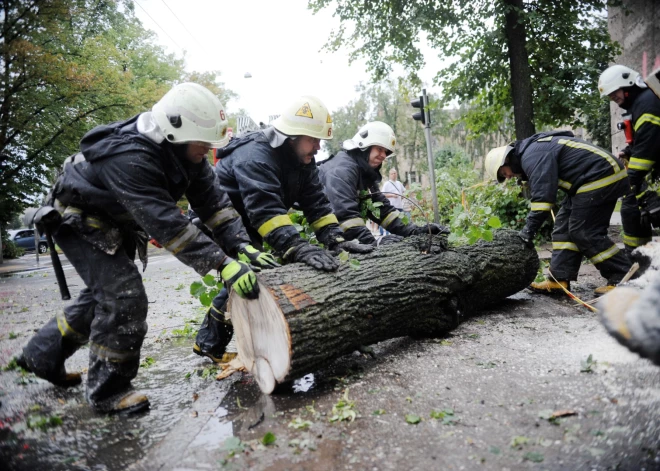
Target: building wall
(638, 33)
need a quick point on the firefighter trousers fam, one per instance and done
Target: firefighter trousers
(110, 314)
(635, 234)
(581, 230)
(215, 332)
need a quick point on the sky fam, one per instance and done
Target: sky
(278, 42)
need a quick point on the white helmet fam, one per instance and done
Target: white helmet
(375, 133)
(307, 116)
(653, 81)
(494, 160)
(190, 112)
(616, 77)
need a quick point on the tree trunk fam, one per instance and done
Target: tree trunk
(305, 318)
(521, 82)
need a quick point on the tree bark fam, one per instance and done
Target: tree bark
(305, 318)
(521, 81)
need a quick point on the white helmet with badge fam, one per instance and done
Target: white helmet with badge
(307, 116)
(190, 112)
(375, 133)
(616, 77)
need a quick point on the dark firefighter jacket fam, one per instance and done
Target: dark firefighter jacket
(556, 160)
(645, 151)
(344, 176)
(127, 183)
(264, 182)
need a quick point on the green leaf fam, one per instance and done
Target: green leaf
(209, 280)
(206, 299)
(413, 419)
(354, 263)
(268, 439)
(197, 288)
(378, 412)
(494, 222)
(533, 456)
(233, 444)
(343, 256)
(518, 441)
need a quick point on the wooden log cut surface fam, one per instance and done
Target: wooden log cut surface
(305, 318)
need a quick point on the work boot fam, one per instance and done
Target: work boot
(215, 336)
(601, 290)
(549, 286)
(127, 403)
(65, 380)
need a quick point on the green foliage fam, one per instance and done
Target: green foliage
(10, 249)
(188, 331)
(588, 365)
(38, 422)
(147, 362)
(367, 205)
(268, 439)
(207, 289)
(567, 43)
(302, 226)
(299, 424)
(445, 415)
(344, 409)
(233, 445)
(70, 65)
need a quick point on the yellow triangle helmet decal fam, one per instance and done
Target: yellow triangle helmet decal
(329, 120)
(305, 111)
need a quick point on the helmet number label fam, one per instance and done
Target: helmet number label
(329, 132)
(222, 115)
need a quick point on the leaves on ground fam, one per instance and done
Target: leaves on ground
(379, 412)
(38, 422)
(299, 424)
(413, 419)
(519, 441)
(344, 409)
(147, 362)
(533, 456)
(268, 439)
(446, 415)
(588, 365)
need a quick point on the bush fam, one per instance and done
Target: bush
(9, 249)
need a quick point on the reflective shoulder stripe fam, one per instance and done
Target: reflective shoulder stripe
(592, 149)
(638, 196)
(565, 246)
(348, 223)
(640, 164)
(390, 218)
(111, 355)
(220, 217)
(324, 221)
(545, 139)
(269, 226)
(183, 238)
(595, 185)
(565, 185)
(635, 241)
(542, 206)
(604, 255)
(72, 210)
(647, 118)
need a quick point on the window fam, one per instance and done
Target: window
(411, 177)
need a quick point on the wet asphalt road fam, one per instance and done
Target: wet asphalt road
(482, 397)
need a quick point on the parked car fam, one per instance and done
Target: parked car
(24, 238)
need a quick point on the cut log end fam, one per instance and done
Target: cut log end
(262, 338)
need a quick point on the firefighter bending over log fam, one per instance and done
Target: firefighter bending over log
(265, 173)
(357, 168)
(592, 179)
(123, 185)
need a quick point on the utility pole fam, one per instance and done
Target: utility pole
(424, 115)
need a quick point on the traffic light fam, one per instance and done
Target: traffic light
(423, 114)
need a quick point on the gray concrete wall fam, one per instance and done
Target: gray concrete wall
(638, 33)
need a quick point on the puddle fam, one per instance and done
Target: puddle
(87, 440)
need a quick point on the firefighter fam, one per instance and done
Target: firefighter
(592, 179)
(124, 184)
(630, 315)
(357, 168)
(640, 208)
(265, 173)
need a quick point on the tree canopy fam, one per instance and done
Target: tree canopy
(67, 66)
(566, 43)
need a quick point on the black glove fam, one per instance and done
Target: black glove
(434, 228)
(390, 239)
(312, 255)
(649, 207)
(527, 238)
(350, 246)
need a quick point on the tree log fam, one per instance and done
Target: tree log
(306, 318)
